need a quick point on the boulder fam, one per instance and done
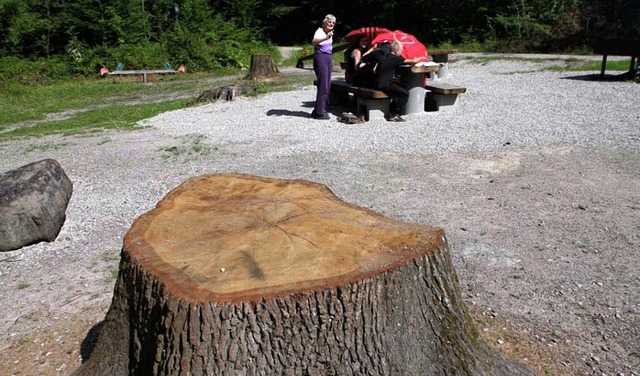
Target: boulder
(33, 202)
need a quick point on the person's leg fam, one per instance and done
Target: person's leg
(401, 99)
(323, 63)
(399, 95)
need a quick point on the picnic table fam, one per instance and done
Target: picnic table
(619, 47)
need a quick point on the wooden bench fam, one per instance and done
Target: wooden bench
(370, 102)
(620, 47)
(442, 96)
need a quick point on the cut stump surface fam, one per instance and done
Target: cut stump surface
(231, 238)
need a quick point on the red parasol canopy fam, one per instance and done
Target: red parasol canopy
(411, 46)
(367, 31)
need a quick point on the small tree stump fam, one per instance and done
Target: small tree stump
(262, 65)
(33, 202)
(236, 274)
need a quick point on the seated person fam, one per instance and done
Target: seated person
(365, 75)
(385, 70)
(353, 57)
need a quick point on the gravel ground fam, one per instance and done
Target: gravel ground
(535, 179)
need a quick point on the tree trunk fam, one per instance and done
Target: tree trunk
(236, 274)
(262, 65)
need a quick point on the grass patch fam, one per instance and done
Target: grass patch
(19, 103)
(574, 65)
(571, 64)
(122, 117)
(47, 146)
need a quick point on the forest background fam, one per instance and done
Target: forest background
(45, 40)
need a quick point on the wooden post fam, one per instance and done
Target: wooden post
(262, 65)
(237, 274)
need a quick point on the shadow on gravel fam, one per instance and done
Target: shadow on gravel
(288, 113)
(89, 343)
(605, 78)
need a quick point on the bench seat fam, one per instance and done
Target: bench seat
(369, 102)
(442, 96)
(364, 92)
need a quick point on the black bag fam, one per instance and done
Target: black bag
(349, 118)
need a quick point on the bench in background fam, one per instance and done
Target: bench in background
(620, 47)
(442, 96)
(143, 75)
(441, 57)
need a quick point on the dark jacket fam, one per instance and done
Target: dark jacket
(365, 76)
(386, 69)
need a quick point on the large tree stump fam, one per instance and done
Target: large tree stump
(235, 274)
(33, 203)
(262, 65)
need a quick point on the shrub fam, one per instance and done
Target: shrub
(27, 72)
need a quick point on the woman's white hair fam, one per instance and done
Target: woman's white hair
(329, 17)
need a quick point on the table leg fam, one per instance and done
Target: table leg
(415, 104)
(632, 67)
(443, 60)
(414, 83)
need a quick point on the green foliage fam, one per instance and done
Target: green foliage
(138, 56)
(536, 25)
(84, 35)
(40, 71)
(303, 51)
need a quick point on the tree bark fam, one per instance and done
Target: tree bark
(262, 65)
(236, 274)
(227, 92)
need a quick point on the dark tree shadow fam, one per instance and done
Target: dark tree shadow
(626, 76)
(89, 342)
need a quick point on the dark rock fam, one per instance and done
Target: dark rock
(33, 202)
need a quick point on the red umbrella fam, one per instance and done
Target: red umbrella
(367, 31)
(411, 46)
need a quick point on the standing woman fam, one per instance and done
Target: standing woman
(322, 65)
